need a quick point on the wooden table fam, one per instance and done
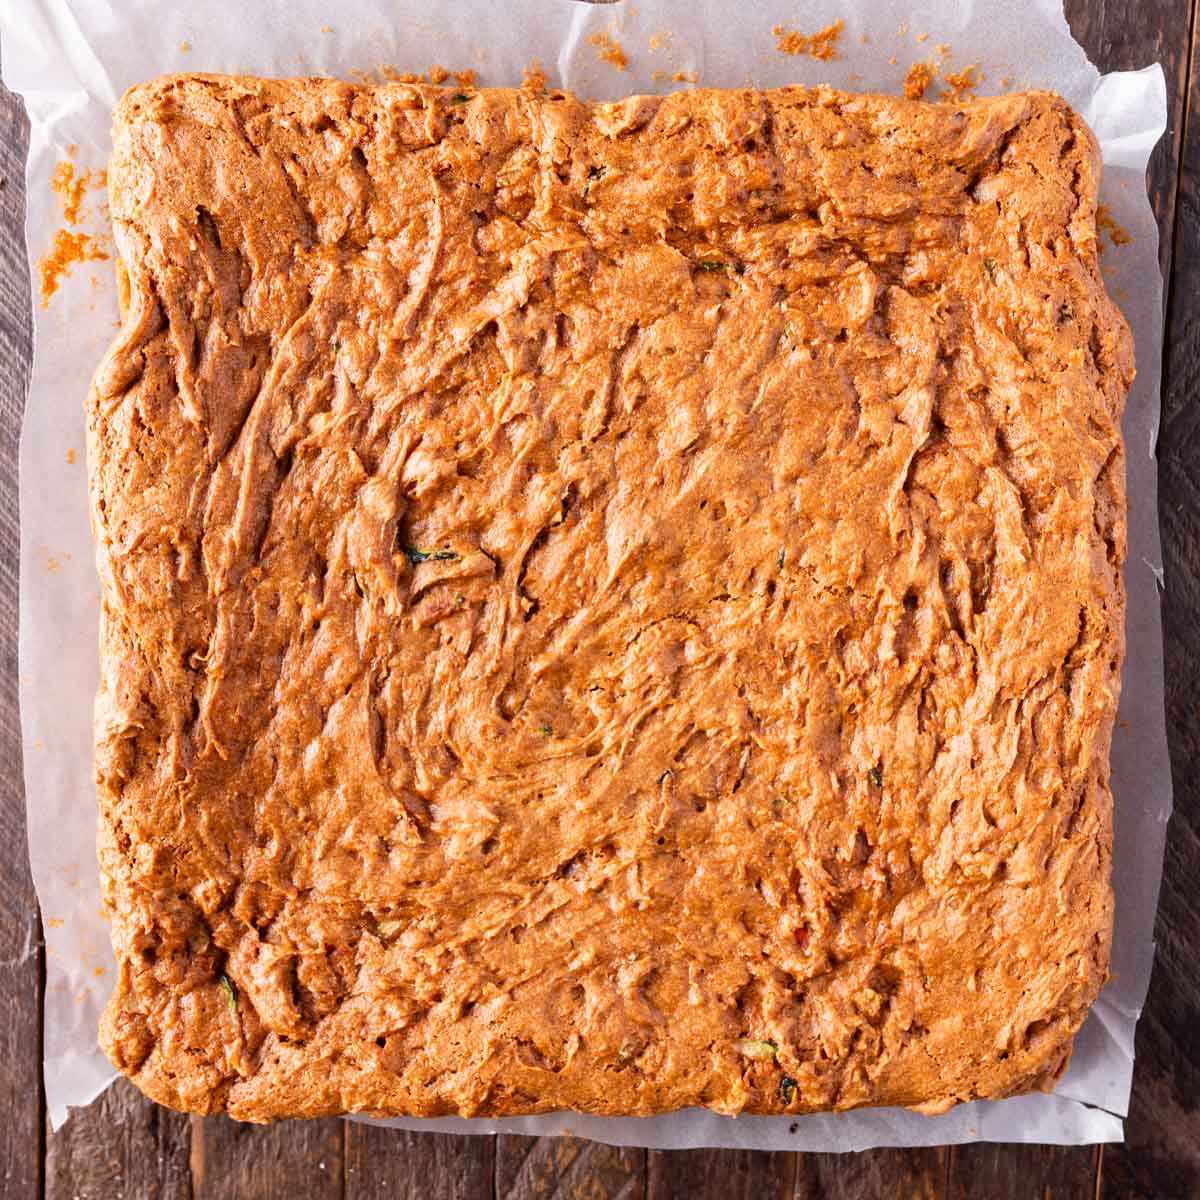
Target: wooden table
(124, 1146)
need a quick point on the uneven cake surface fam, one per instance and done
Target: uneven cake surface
(611, 607)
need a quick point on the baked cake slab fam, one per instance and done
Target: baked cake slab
(610, 607)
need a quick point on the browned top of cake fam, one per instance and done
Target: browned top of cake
(605, 606)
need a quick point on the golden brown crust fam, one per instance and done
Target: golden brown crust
(610, 607)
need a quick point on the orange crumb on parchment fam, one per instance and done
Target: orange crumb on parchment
(684, 77)
(392, 75)
(1005, 81)
(437, 74)
(922, 37)
(70, 188)
(184, 47)
(1105, 223)
(70, 456)
(893, 61)
(609, 51)
(464, 78)
(326, 29)
(97, 971)
(54, 922)
(820, 45)
(659, 41)
(943, 48)
(67, 250)
(961, 85)
(917, 81)
(534, 77)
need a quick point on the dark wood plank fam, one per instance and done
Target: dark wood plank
(720, 1174)
(564, 1168)
(20, 966)
(392, 1164)
(1000, 1172)
(873, 1175)
(266, 1162)
(121, 1148)
(1161, 1156)
(1121, 35)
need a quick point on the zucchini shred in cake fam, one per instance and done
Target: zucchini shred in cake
(610, 607)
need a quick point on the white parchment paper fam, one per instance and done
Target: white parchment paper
(71, 59)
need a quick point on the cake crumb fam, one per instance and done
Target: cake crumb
(863, 39)
(923, 37)
(820, 45)
(389, 73)
(70, 188)
(660, 41)
(97, 971)
(67, 250)
(534, 77)
(54, 922)
(1005, 81)
(684, 77)
(893, 61)
(326, 28)
(961, 85)
(608, 50)
(917, 81)
(70, 456)
(184, 47)
(464, 78)
(437, 74)
(943, 48)
(1105, 223)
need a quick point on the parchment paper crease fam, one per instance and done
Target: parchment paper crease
(72, 60)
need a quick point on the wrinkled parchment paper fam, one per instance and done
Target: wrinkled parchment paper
(71, 59)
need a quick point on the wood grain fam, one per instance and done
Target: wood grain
(299, 1160)
(121, 1148)
(1000, 1172)
(392, 1164)
(20, 929)
(565, 1168)
(873, 1175)
(727, 1174)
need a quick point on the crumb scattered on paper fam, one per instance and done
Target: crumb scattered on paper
(184, 47)
(54, 922)
(326, 28)
(893, 61)
(1105, 223)
(659, 41)
(943, 48)
(1005, 81)
(961, 85)
(67, 249)
(464, 78)
(917, 81)
(608, 50)
(392, 75)
(923, 37)
(684, 77)
(820, 45)
(70, 456)
(437, 74)
(69, 187)
(534, 77)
